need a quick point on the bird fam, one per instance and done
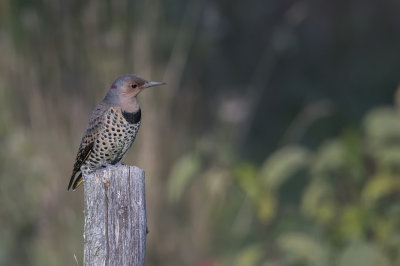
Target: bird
(112, 127)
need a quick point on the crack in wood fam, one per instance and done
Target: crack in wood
(106, 224)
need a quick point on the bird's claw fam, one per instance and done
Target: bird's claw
(109, 164)
(105, 165)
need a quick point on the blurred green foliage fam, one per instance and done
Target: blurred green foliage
(337, 204)
(275, 142)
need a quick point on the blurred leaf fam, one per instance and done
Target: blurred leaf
(217, 181)
(249, 256)
(183, 171)
(379, 186)
(317, 201)
(385, 230)
(382, 124)
(246, 175)
(283, 164)
(382, 128)
(330, 158)
(262, 197)
(353, 152)
(352, 223)
(272, 263)
(363, 254)
(302, 248)
(267, 206)
(388, 157)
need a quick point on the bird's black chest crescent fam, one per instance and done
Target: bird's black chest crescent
(132, 118)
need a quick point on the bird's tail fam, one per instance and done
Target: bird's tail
(78, 181)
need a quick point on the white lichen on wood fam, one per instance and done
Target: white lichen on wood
(115, 217)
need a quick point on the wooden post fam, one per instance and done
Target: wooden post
(115, 217)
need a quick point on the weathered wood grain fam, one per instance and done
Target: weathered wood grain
(115, 217)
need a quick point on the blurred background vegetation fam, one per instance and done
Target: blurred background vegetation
(276, 141)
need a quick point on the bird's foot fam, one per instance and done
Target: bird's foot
(105, 165)
(109, 164)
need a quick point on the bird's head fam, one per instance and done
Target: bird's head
(130, 85)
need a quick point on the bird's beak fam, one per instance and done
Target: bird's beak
(152, 84)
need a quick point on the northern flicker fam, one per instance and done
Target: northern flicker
(112, 127)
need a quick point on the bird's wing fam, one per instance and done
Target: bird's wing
(91, 134)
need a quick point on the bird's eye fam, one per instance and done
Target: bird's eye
(133, 86)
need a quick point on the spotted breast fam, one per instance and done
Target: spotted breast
(117, 133)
